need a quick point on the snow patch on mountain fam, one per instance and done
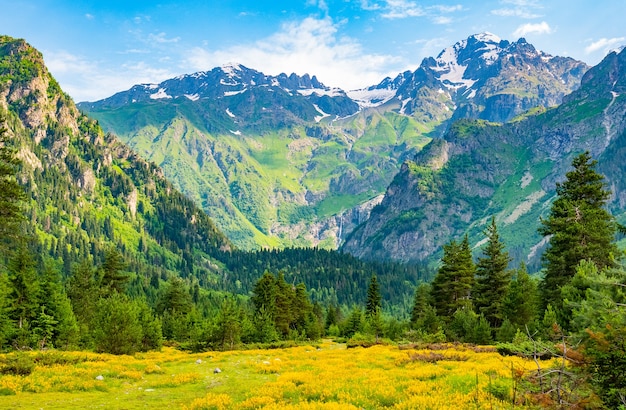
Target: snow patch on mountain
(231, 69)
(192, 97)
(371, 97)
(320, 117)
(487, 37)
(333, 92)
(230, 114)
(160, 94)
(231, 93)
(451, 73)
(232, 84)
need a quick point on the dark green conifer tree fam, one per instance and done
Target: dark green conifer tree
(84, 293)
(579, 226)
(55, 302)
(264, 294)
(24, 295)
(229, 330)
(373, 303)
(114, 279)
(116, 328)
(421, 300)
(423, 314)
(452, 285)
(492, 277)
(284, 315)
(11, 193)
(521, 302)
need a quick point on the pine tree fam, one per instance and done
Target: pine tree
(264, 294)
(421, 300)
(24, 290)
(117, 329)
(6, 324)
(521, 302)
(114, 279)
(373, 303)
(175, 298)
(451, 287)
(284, 315)
(579, 228)
(83, 291)
(228, 333)
(492, 277)
(11, 193)
(599, 320)
(56, 303)
(423, 314)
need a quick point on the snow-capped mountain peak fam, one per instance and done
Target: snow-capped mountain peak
(487, 37)
(232, 69)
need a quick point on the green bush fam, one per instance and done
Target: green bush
(18, 364)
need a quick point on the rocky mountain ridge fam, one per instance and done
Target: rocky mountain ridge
(481, 77)
(285, 160)
(479, 169)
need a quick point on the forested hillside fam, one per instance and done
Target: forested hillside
(104, 235)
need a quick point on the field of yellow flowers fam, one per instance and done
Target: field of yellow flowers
(324, 376)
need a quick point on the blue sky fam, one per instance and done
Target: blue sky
(96, 48)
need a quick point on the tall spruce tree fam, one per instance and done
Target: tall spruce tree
(373, 303)
(492, 277)
(114, 279)
(11, 193)
(520, 304)
(579, 226)
(452, 285)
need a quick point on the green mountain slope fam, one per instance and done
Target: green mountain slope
(89, 192)
(285, 161)
(480, 169)
(280, 187)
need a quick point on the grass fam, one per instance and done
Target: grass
(325, 376)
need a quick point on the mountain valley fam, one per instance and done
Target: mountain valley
(287, 161)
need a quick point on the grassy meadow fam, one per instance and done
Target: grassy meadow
(324, 376)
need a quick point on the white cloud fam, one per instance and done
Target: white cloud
(523, 3)
(162, 38)
(447, 9)
(605, 44)
(86, 80)
(321, 4)
(516, 12)
(308, 46)
(432, 46)
(532, 28)
(89, 16)
(399, 9)
(367, 5)
(441, 20)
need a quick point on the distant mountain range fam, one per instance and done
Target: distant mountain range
(285, 160)
(480, 77)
